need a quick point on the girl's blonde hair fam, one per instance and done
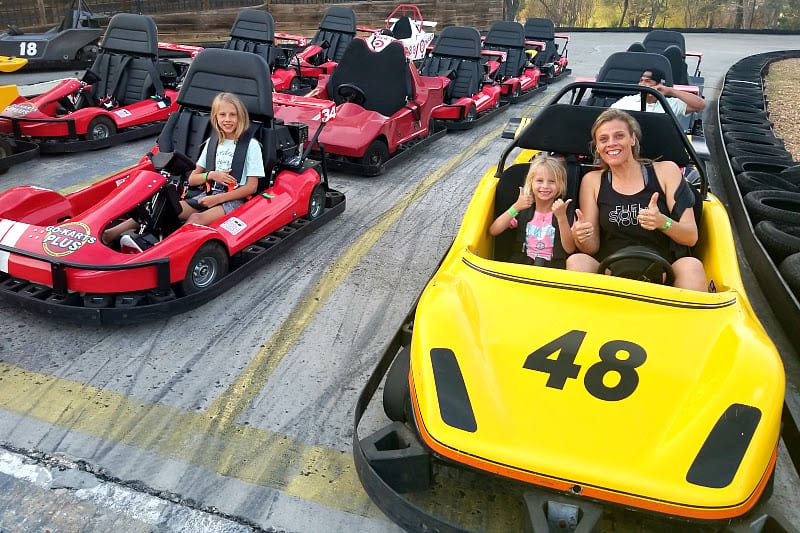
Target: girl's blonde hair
(241, 110)
(551, 164)
(634, 129)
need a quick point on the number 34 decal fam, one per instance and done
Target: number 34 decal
(563, 367)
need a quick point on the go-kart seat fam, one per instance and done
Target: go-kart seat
(126, 64)
(384, 77)
(509, 37)
(656, 41)
(216, 70)
(254, 31)
(402, 28)
(680, 75)
(636, 47)
(457, 55)
(627, 67)
(337, 29)
(542, 29)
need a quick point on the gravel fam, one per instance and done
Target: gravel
(782, 89)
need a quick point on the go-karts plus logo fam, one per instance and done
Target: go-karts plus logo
(67, 238)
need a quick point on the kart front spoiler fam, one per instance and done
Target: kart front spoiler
(127, 308)
(462, 124)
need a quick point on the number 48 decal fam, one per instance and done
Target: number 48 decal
(563, 367)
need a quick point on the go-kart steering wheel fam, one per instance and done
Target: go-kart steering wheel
(351, 93)
(640, 263)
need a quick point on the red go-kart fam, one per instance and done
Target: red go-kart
(298, 72)
(126, 94)
(470, 94)
(384, 108)
(518, 77)
(53, 259)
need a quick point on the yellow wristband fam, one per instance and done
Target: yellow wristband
(513, 212)
(666, 225)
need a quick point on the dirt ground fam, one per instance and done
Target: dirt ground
(782, 88)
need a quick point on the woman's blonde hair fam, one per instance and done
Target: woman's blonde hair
(551, 164)
(241, 110)
(634, 129)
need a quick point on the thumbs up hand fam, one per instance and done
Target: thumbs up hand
(650, 218)
(582, 230)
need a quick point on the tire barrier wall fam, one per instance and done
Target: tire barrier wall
(762, 182)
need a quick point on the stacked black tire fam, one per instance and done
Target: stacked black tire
(763, 181)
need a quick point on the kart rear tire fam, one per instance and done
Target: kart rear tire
(316, 203)
(6, 150)
(208, 266)
(396, 392)
(375, 157)
(471, 114)
(100, 128)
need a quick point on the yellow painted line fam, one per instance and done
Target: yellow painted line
(213, 439)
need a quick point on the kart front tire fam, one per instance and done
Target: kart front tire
(316, 203)
(375, 157)
(471, 114)
(396, 392)
(208, 266)
(100, 128)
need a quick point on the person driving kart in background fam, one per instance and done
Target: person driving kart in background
(681, 102)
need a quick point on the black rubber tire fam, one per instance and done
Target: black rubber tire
(208, 266)
(790, 270)
(743, 114)
(756, 181)
(745, 162)
(751, 138)
(6, 150)
(779, 240)
(792, 174)
(472, 113)
(743, 90)
(100, 127)
(316, 202)
(780, 207)
(375, 157)
(744, 148)
(741, 100)
(752, 129)
(725, 120)
(396, 392)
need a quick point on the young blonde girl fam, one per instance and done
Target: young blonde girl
(225, 192)
(540, 215)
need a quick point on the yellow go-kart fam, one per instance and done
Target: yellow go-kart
(583, 389)
(12, 64)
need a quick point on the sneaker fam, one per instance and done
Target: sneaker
(127, 245)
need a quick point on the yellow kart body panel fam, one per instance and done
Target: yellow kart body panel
(606, 387)
(8, 93)
(12, 64)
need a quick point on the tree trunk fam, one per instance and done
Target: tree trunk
(624, 13)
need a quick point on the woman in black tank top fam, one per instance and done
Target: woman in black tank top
(626, 202)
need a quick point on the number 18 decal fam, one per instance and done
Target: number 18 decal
(563, 367)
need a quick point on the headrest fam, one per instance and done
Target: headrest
(657, 40)
(507, 34)
(458, 41)
(566, 129)
(539, 29)
(254, 25)
(217, 70)
(627, 67)
(131, 34)
(339, 19)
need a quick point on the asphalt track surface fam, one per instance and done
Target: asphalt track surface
(238, 415)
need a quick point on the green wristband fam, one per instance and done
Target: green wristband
(513, 212)
(666, 225)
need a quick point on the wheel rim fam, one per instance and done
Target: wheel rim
(205, 272)
(100, 131)
(317, 201)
